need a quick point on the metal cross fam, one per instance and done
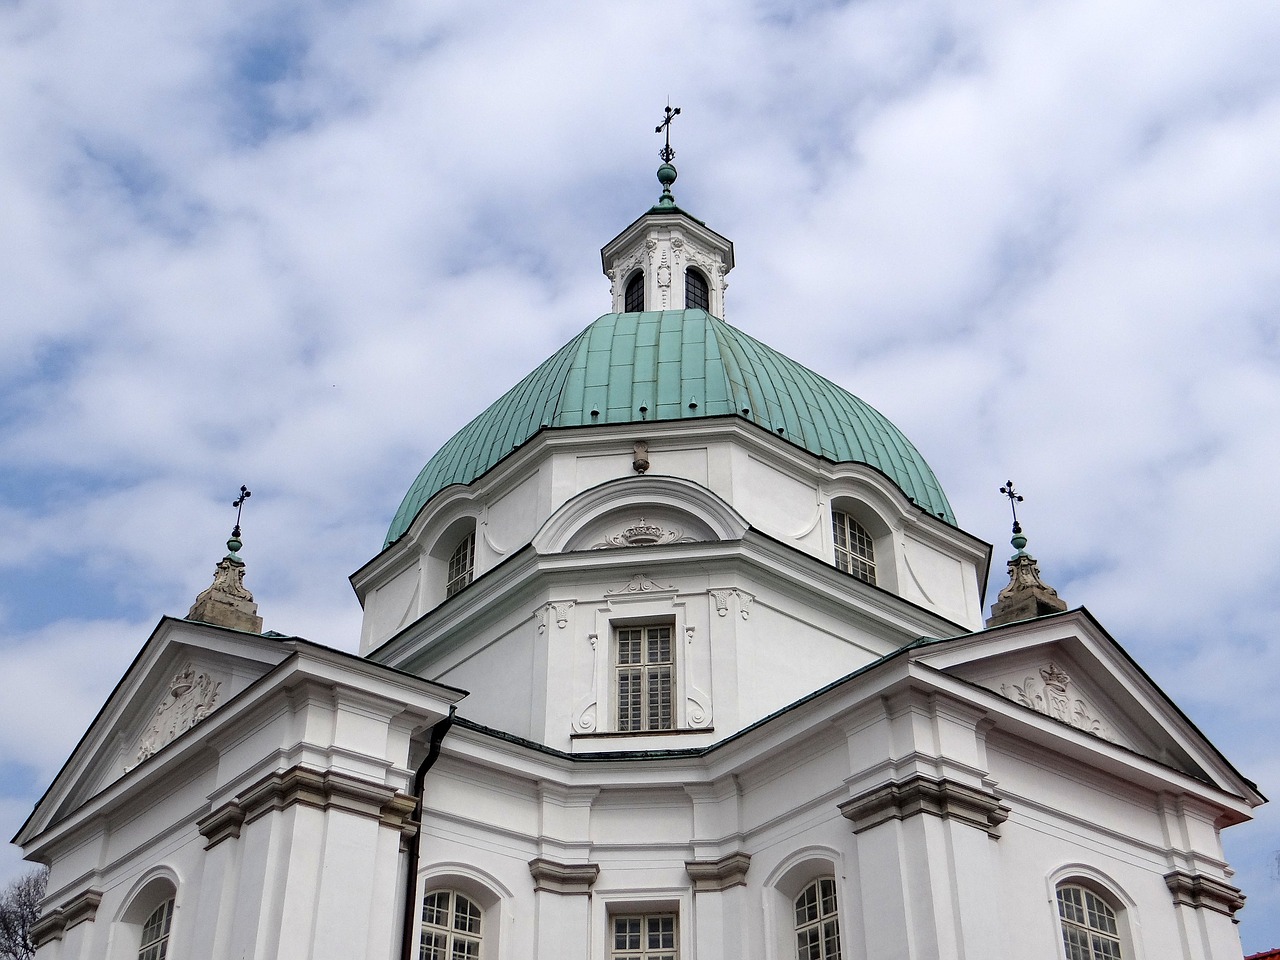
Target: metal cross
(238, 503)
(1015, 498)
(666, 154)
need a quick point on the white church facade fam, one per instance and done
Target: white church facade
(675, 652)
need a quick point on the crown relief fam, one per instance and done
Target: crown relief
(643, 534)
(1053, 694)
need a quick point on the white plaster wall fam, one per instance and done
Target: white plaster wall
(922, 887)
(544, 670)
(781, 492)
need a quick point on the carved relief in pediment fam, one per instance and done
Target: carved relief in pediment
(1055, 695)
(639, 584)
(191, 698)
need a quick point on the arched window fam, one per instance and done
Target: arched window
(817, 923)
(697, 296)
(450, 927)
(462, 565)
(155, 933)
(855, 551)
(1089, 927)
(633, 299)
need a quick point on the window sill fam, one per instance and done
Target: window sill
(620, 734)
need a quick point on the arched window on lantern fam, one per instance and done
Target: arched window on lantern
(633, 299)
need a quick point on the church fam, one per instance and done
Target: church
(675, 652)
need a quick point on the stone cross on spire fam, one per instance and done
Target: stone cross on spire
(1026, 595)
(227, 602)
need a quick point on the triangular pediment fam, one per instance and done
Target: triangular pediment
(183, 675)
(1067, 669)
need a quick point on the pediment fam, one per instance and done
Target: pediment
(638, 512)
(1050, 681)
(1067, 669)
(183, 675)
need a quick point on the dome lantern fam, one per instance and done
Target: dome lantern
(673, 259)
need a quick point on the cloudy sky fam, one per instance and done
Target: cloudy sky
(298, 244)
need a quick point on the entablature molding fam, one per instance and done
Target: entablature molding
(712, 876)
(82, 908)
(563, 878)
(1198, 891)
(319, 789)
(918, 795)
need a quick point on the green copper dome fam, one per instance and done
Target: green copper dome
(665, 363)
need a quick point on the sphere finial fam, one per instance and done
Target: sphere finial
(666, 172)
(234, 544)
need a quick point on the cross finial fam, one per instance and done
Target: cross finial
(666, 154)
(238, 503)
(1015, 498)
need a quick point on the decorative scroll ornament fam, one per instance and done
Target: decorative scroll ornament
(721, 599)
(557, 610)
(640, 584)
(1050, 696)
(191, 698)
(643, 534)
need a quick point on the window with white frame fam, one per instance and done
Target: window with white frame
(855, 551)
(1090, 930)
(817, 921)
(450, 926)
(645, 937)
(155, 932)
(644, 672)
(462, 565)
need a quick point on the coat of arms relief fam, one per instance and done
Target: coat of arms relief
(190, 699)
(1054, 695)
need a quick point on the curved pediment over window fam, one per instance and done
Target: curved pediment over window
(639, 512)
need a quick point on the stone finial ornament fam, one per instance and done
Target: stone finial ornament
(1026, 595)
(227, 602)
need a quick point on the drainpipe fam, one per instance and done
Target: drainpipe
(411, 876)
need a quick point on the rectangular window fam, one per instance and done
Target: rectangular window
(644, 666)
(651, 937)
(462, 563)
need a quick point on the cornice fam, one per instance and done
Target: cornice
(918, 795)
(551, 876)
(1198, 891)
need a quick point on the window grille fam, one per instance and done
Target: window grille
(855, 552)
(633, 299)
(817, 922)
(645, 667)
(1089, 928)
(696, 294)
(462, 564)
(651, 937)
(450, 927)
(155, 933)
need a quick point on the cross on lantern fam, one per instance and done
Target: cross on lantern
(666, 154)
(238, 503)
(1015, 498)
